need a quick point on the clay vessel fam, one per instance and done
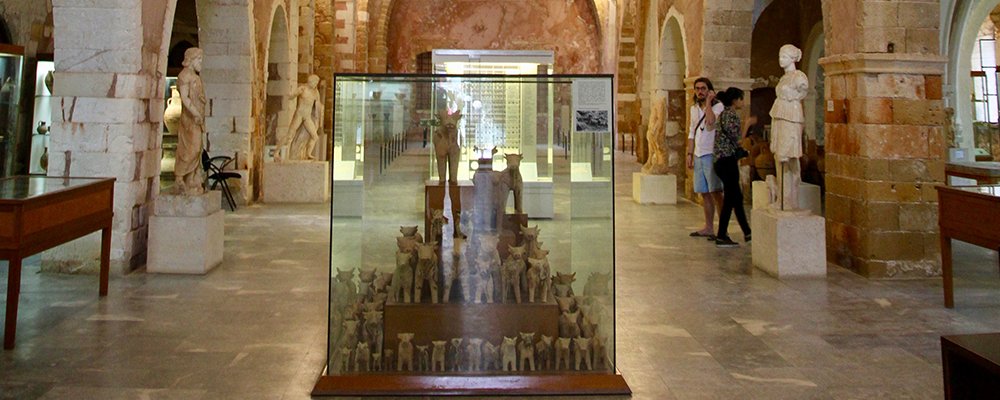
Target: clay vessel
(42, 128)
(172, 115)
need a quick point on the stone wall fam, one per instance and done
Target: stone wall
(107, 98)
(885, 145)
(567, 28)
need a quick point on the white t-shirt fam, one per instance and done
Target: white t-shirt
(704, 136)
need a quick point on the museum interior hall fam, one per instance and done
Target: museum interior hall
(291, 199)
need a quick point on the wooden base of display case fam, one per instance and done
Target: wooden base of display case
(458, 320)
(511, 385)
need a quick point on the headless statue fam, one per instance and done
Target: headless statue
(308, 111)
(446, 148)
(188, 176)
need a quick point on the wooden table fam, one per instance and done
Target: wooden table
(970, 214)
(971, 366)
(982, 171)
(38, 213)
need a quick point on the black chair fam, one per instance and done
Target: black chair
(215, 176)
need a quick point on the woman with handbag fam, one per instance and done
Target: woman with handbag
(727, 153)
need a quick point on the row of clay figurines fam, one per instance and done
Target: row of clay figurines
(475, 265)
(519, 353)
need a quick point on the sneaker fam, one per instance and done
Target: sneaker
(725, 242)
(746, 238)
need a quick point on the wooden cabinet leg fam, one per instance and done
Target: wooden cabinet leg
(13, 293)
(949, 295)
(105, 259)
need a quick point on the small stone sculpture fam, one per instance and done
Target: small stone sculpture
(484, 283)
(437, 355)
(530, 237)
(350, 333)
(506, 181)
(457, 271)
(562, 352)
(490, 356)
(308, 113)
(511, 273)
(583, 353)
(423, 358)
(541, 266)
(597, 284)
(427, 270)
(474, 353)
(656, 136)
(411, 232)
(405, 353)
(568, 325)
(787, 118)
(389, 357)
(402, 281)
(566, 280)
(543, 349)
(366, 290)
(361, 357)
(377, 362)
(438, 221)
(534, 277)
(373, 328)
(382, 282)
(566, 304)
(508, 354)
(455, 354)
(526, 351)
(446, 147)
(188, 176)
(345, 359)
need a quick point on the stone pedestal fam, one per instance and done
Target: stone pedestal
(186, 234)
(296, 181)
(348, 198)
(810, 197)
(789, 244)
(654, 189)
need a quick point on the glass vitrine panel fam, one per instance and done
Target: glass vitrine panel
(442, 273)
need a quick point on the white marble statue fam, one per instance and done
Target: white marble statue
(787, 121)
(308, 113)
(188, 173)
(656, 136)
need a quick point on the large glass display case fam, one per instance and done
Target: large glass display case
(11, 63)
(441, 281)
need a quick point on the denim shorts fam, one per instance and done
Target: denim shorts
(705, 179)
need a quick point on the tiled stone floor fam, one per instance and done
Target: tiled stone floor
(694, 322)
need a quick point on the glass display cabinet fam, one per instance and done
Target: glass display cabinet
(442, 281)
(11, 63)
(42, 118)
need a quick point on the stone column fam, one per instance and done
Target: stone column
(228, 68)
(107, 111)
(884, 154)
(885, 147)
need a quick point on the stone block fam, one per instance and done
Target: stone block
(809, 197)
(917, 112)
(185, 244)
(348, 198)
(891, 85)
(879, 14)
(296, 182)
(918, 216)
(871, 110)
(789, 245)
(876, 39)
(920, 15)
(932, 87)
(922, 41)
(654, 189)
(169, 205)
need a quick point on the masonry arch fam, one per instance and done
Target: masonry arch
(966, 18)
(279, 80)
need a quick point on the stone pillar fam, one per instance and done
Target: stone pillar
(628, 79)
(884, 154)
(227, 70)
(107, 111)
(885, 147)
(345, 32)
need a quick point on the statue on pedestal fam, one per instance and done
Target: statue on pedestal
(656, 136)
(786, 126)
(446, 148)
(187, 169)
(308, 113)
